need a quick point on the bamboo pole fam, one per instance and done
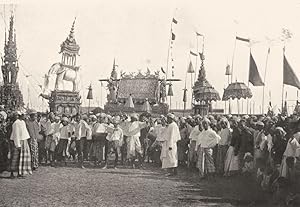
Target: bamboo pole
(233, 57)
(265, 75)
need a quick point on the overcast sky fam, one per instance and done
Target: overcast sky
(137, 34)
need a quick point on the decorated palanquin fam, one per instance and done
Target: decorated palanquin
(61, 100)
(136, 93)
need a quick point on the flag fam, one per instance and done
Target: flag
(254, 76)
(162, 70)
(190, 68)
(289, 76)
(198, 34)
(174, 21)
(243, 39)
(184, 95)
(173, 36)
(192, 53)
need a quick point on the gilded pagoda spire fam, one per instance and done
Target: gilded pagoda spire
(10, 95)
(10, 47)
(69, 46)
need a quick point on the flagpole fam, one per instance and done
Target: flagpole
(233, 57)
(168, 56)
(196, 58)
(282, 97)
(184, 93)
(265, 75)
(101, 94)
(248, 80)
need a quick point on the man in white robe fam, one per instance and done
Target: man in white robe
(207, 140)
(134, 147)
(169, 148)
(20, 136)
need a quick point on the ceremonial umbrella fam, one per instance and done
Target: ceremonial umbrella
(237, 91)
(203, 90)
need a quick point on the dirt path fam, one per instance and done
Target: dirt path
(69, 186)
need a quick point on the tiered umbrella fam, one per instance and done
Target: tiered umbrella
(203, 91)
(237, 91)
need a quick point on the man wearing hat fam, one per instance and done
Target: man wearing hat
(260, 143)
(246, 142)
(64, 137)
(21, 160)
(116, 139)
(82, 132)
(207, 140)
(134, 148)
(36, 138)
(169, 146)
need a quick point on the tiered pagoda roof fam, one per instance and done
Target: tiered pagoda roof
(203, 90)
(69, 46)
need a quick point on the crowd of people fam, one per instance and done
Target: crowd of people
(267, 147)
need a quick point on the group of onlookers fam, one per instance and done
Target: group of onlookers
(225, 145)
(264, 146)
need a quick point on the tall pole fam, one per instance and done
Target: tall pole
(233, 57)
(101, 94)
(168, 56)
(184, 95)
(248, 80)
(196, 66)
(282, 94)
(265, 75)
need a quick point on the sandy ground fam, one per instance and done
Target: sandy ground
(71, 186)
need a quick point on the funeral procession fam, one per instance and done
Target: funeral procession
(150, 103)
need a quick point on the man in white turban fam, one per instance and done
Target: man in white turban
(207, 141)
(20, 136)
(170, 136)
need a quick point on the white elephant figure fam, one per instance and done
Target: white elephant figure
(63, 73)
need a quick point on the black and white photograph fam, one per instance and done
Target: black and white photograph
(149, 103)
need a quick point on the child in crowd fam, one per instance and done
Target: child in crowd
(248, 164)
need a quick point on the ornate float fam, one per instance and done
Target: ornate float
(204, 92)
(10, 95)
(136, 92)
(63, 101)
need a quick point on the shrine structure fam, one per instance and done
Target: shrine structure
(204, 93)
(10, 94)
(136, 92)
(62, 101)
